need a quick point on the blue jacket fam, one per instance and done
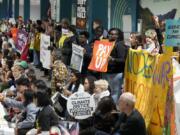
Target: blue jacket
(30, 110)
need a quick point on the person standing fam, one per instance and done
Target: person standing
(116, 63)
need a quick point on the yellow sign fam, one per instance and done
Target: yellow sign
(148, 78)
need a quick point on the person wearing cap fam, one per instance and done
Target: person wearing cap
(130, 120)
(19, 68)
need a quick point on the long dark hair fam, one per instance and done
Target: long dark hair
(43, 98)
(28, 96)
(91, 80)
(106, 105)
(120, 34)
(78, 81)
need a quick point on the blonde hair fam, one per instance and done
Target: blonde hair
(151, 33)
(129, 98)
(103, 84)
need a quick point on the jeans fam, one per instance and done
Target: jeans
(36, 59)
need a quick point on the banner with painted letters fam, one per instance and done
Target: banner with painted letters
(148, 77)
(45, 54)
(101, 52)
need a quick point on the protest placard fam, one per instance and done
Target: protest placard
(81, 14)
(22, 38)
(172, 35)
(148, 77)
(80, 105)
(45, 54)
(101, 52)
(77, 57)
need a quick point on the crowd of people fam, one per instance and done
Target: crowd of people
(28, 99)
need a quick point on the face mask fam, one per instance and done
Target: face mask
(65, 31)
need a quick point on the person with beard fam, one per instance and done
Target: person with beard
(116, 63)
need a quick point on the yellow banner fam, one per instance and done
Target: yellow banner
(148, 78)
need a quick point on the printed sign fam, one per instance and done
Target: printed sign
(101, 52)
(80, 105)
(77, 57)
(172, 33)
(81, 14)
(45, 54)
(22, 38)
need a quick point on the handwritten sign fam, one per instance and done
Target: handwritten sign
(101, 52)
(81, 14)
(172, 36)
(148, 77)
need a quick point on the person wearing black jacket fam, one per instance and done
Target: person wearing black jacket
(46, 117)
(130, 120)
(116, 62)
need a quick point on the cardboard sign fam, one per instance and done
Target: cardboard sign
(22, 38)
(101, 52)
(77, 57)
(172, 36)
(80, 105)
(45, 54)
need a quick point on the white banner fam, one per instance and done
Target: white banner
(45, 54)
(176, 76)
(77, 57)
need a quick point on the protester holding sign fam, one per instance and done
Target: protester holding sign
(103, 120)
(152, 45)
(116, 62)
(83, 42)
(73, 84)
